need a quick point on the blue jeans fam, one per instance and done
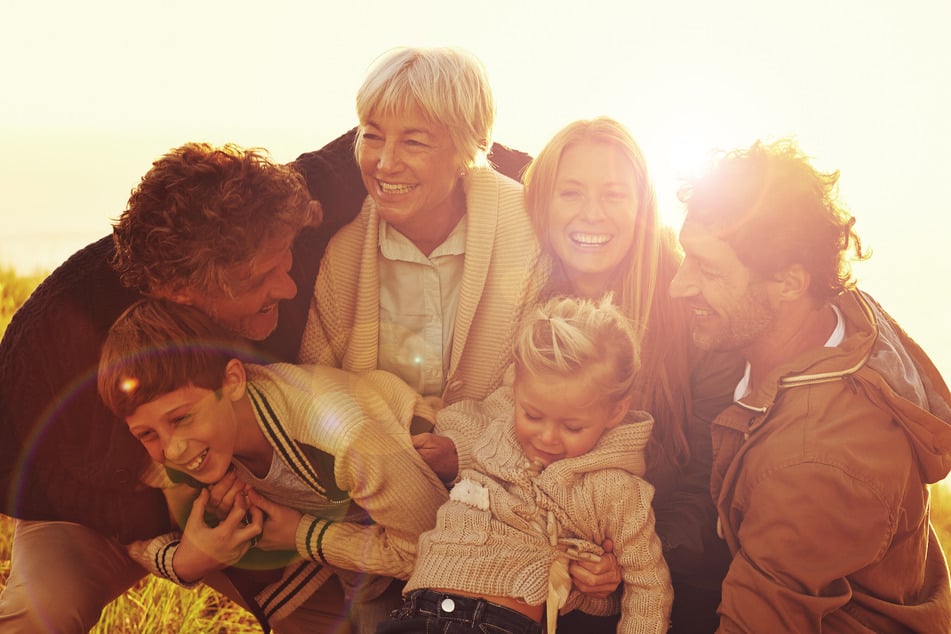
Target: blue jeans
(430, 612)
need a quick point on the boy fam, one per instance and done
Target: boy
(314, 439)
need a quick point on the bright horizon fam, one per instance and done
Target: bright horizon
(102, 88)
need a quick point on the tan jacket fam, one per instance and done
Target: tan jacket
(820, 480)
(501, 251)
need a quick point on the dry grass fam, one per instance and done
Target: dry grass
(156, 605)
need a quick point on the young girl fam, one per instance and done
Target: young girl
(557, 470)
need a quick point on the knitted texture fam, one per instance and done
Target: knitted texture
(343, 325)
(363, 421)
(504, 551)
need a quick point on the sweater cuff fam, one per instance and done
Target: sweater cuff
(157, 558)
(310, 536)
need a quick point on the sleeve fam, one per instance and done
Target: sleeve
(791, 569)
(464, 421)
(385, 476)
(647, 591)
(156, 554)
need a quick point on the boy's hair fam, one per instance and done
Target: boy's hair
(449, 85)
(201, 210)
(156, 347)
(775, 210)
(566, 335)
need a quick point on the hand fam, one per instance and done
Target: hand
(439, 454)
(279, 531)
(204, 549)
(598, 579)
(224, 492)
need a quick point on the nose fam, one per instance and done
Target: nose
(549, 434)
(173, 447)
(284, 287)
(389, 159)
(683, 284)
(591, 209)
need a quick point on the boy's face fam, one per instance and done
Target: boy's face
(191, 429)
(562, 417)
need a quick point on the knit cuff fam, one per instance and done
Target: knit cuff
(157, 557)
(310, 536)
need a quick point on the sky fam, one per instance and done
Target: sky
(92, 92)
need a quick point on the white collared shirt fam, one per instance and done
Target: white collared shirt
(419, 297)
(836, 338)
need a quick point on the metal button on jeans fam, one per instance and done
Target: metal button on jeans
(447, 605)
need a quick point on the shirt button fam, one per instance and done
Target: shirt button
(447, 605)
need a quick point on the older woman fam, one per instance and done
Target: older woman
(428, 280)
(594, 211)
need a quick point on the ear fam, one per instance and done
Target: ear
(794, 282)
(235, 380)
(619, 413)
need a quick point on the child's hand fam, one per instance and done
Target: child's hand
(598, 579)
(204, 549)
(224, 492)
(280, 523)
(439, 454)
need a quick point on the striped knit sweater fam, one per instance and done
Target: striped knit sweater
(490, 537)
(499, 276)
(347, 437)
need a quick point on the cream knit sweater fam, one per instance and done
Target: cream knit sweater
(499, 276)
(490, 537)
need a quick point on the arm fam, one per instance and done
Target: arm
(386, 477)
(647, 592)
(795, 555)
(463, 422)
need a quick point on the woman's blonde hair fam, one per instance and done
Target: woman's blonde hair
(640, 287)
(449, 85)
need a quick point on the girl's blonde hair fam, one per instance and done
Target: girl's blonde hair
(640, 286)
(449, 85)
(567, 335)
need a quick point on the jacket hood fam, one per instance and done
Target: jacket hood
(893, 371)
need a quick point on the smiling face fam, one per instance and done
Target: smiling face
(563, 417)
(730, 309)
(412, 170)
(191, 429)
(252, 310)
(592, 215)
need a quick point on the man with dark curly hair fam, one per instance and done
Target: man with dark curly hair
(822, 463)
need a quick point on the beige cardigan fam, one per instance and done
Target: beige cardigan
(499, 275)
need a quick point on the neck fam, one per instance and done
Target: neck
(436, 226)
(795, 332)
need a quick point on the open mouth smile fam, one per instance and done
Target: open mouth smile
(590, 239)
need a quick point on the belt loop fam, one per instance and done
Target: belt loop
(477, 612)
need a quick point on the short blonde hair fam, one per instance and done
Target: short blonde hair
(566, 335)
(449, 85)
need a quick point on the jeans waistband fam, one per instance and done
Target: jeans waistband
(466, 610)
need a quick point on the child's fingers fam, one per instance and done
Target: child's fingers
(261, 502)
